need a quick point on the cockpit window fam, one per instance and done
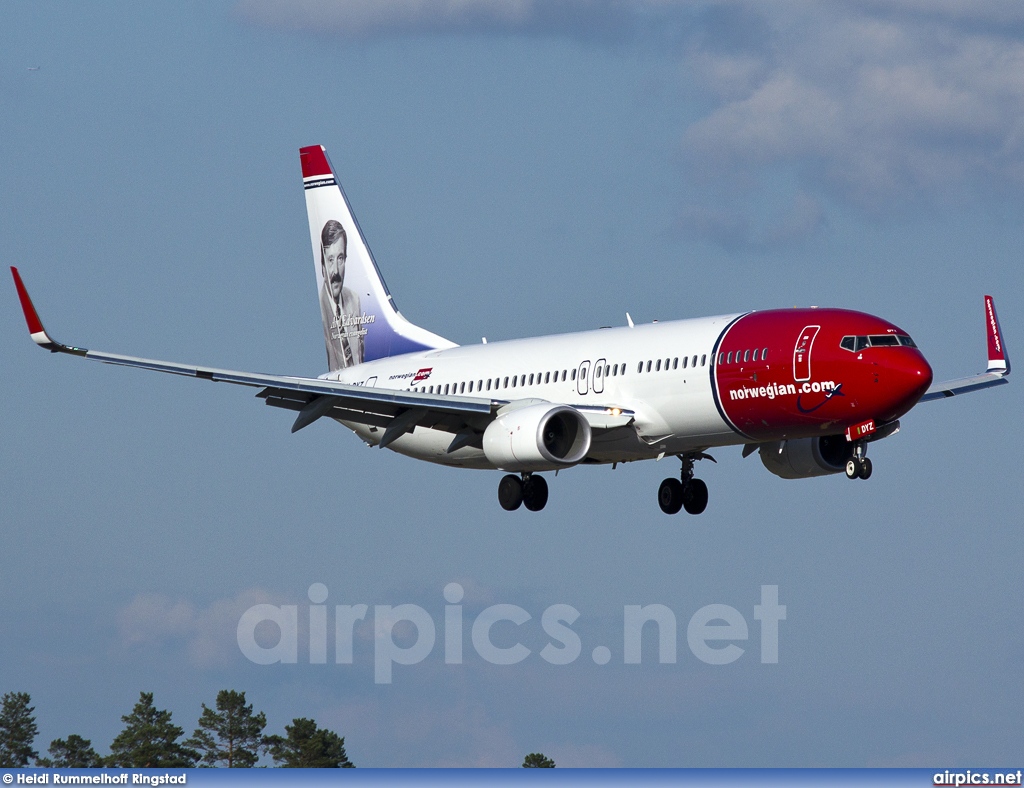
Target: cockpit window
(856, 344)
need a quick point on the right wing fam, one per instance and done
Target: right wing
(994, 375)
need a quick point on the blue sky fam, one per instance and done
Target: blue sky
(518, 168)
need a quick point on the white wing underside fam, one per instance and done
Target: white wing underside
(953, 388)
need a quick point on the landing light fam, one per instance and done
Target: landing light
(615, 411)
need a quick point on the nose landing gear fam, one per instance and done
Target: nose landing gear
(685, 492)
(530, 490)
(859, 466)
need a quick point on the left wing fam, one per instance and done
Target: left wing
(311, 397)
(396, 412)
(994, 375)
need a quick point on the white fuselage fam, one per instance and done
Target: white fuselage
(671, 397)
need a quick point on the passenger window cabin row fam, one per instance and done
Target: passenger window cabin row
(657, 365)
(743, 356)
(509, 381)
(538, 379)
(556, 376)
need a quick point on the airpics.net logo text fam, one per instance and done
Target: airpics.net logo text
(713, 633)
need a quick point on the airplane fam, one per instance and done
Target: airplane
(808, 389)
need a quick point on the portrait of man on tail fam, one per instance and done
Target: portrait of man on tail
(343, 332)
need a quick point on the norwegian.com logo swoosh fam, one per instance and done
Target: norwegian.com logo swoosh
(836, 391)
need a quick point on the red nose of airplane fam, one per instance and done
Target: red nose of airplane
(909, 375)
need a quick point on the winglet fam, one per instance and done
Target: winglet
(35, 325)
(998, 359)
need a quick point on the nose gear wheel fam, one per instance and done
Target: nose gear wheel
(859, 466)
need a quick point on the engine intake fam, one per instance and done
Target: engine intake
(806, 457)
(537, 438)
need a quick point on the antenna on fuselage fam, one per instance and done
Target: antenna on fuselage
(629, 320)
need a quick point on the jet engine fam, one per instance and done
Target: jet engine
(806, 457)
(537, 438)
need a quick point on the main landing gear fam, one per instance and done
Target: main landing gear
(685, 492)
(530, 490)
(859, 466)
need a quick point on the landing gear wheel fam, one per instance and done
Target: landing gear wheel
(510, 493)
(865, 468)
(535, 493)
(852, 468)
(670, 496)
(695, 497)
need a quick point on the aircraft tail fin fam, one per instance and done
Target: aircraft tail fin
(361, 321)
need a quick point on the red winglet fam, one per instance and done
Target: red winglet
(35, 325)
(997, 357)
(314, 161)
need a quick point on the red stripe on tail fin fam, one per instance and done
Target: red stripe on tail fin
(314, 161)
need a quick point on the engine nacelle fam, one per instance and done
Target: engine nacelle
(537, 438)
(807, 457)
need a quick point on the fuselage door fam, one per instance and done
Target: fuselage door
(802, 353)
(581, 377)
(599, 370)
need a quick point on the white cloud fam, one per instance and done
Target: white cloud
(743, 229)
(977, 12)
(384, 18)
(208, 634)
(868, 108)
(879, 105)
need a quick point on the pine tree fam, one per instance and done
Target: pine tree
(17, 730)
(538, 760)
(150, 739)
(231, 736)
(309, 747)
(74, 752)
